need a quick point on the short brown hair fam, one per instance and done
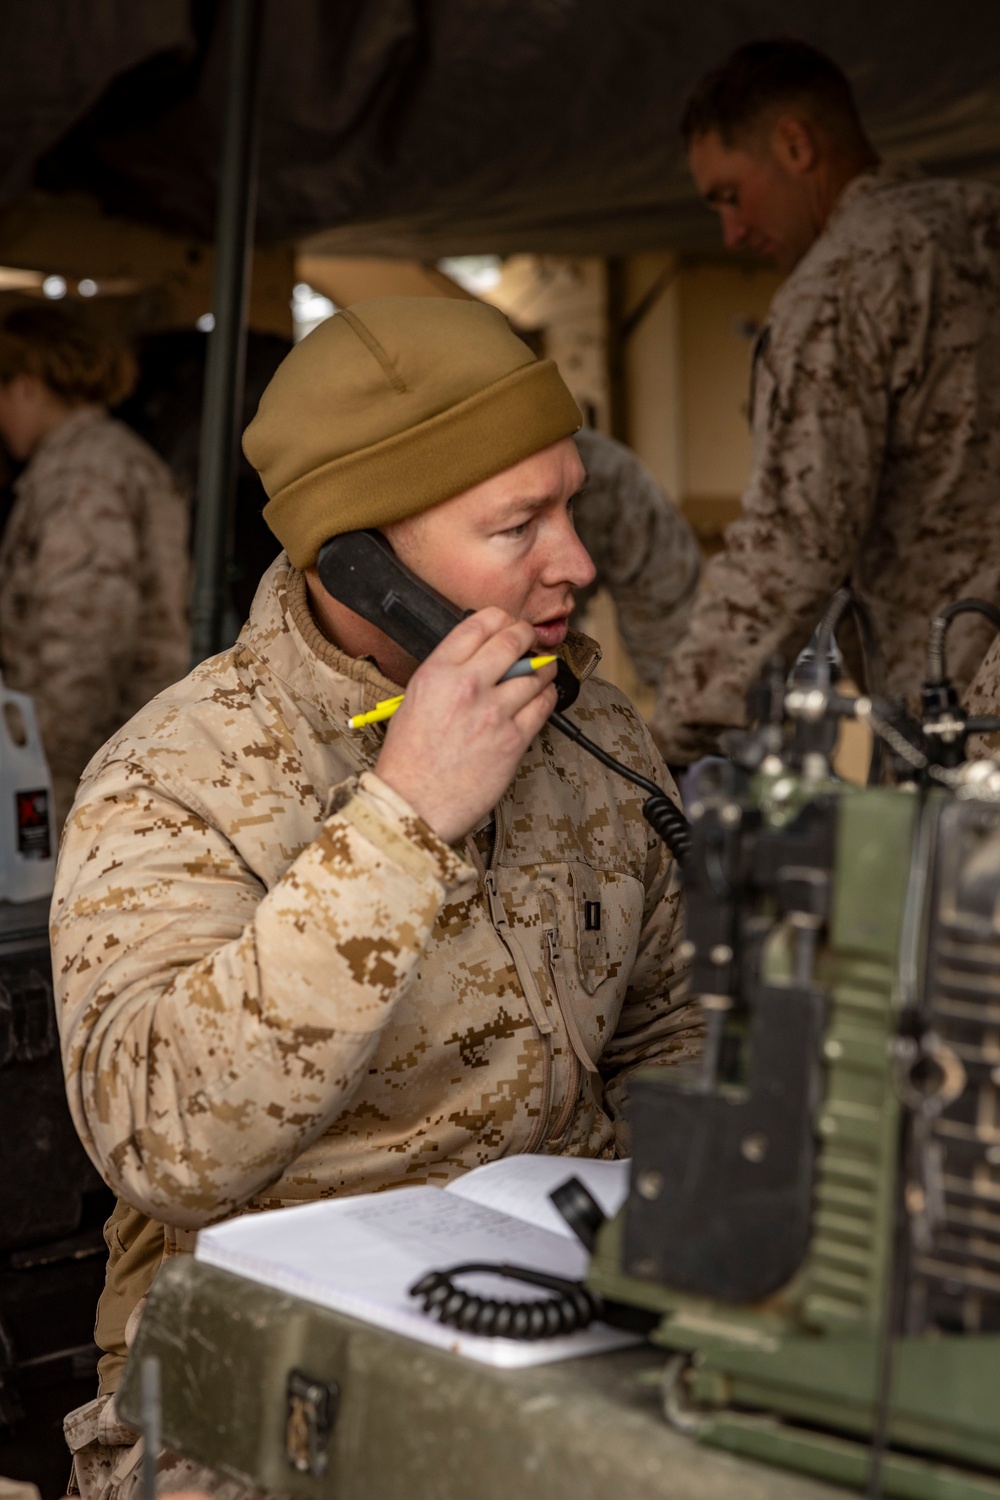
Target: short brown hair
(761, 75)
(77, 362)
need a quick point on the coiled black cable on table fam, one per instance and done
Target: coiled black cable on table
(571, 1308)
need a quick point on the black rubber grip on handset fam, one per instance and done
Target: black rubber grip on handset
(360, 569)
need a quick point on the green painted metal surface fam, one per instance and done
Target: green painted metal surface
(840, 1286)
(416, 1423)
(904, 1478)
(946, 1393)
(843, 1285)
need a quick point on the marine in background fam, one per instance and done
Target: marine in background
(93, 561)
(645, 553)
(875, 396)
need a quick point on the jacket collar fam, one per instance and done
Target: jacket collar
(69, 429)
(876, 180)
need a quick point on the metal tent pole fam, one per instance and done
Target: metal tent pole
(225, 365)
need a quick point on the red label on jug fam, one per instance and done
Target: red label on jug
(34, 838)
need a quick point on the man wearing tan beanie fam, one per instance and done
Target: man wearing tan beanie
(296, 961)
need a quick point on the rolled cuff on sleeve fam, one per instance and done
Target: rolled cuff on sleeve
(389, 821)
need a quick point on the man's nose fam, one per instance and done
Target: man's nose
(569, 561)
(734, 231)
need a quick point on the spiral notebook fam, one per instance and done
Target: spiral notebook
(361, 1255)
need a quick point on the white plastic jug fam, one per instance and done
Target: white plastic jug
(27, 831)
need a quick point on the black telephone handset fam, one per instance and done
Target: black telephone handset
(360, 569)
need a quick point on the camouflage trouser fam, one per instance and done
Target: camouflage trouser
(107, 1461)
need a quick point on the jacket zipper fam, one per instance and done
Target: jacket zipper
(554, 956)
(532, 994)
(498, 916)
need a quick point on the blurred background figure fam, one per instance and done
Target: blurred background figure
(93, 561)
(165, 408)
(646, 554)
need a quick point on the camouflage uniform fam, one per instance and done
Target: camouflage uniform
(983, 699)
(645, 552)
(875, 408)
(983, 696)
(276, 984)
(93, 587)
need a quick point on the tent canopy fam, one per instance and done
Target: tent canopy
(432, 127)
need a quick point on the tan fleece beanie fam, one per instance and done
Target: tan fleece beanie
(392, 406)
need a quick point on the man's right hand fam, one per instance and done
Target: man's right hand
(454, 745)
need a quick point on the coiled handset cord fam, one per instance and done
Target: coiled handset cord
(660, 813)
(571, 1308)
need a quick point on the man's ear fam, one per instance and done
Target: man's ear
(795, 144)
(24, 389)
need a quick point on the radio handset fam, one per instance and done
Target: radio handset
(360, 569)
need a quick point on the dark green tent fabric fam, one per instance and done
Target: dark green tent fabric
(427, 127)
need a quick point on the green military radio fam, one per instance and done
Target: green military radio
(814, 1219)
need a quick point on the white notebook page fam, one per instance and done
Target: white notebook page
(520, 1185)
(361, 1255)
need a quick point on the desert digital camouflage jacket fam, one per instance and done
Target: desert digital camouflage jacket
(645, 552)
(275, 983)
(983, 700)
(876, 421)
(93, 587)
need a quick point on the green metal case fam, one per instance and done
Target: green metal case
(249, 1373)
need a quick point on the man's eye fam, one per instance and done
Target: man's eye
(516, 531)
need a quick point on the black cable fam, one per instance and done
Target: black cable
(873, 663)
(872, 659)
(560, 722)
(572, 1308)
(670, 823)
(871, 651)
(832, 616)
(936, 669)
(666, 820)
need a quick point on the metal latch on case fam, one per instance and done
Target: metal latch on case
(312, 1415)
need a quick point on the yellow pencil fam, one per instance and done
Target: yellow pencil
(388, 706)
(383, 710)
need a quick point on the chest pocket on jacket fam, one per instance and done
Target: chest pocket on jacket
(597, 917)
